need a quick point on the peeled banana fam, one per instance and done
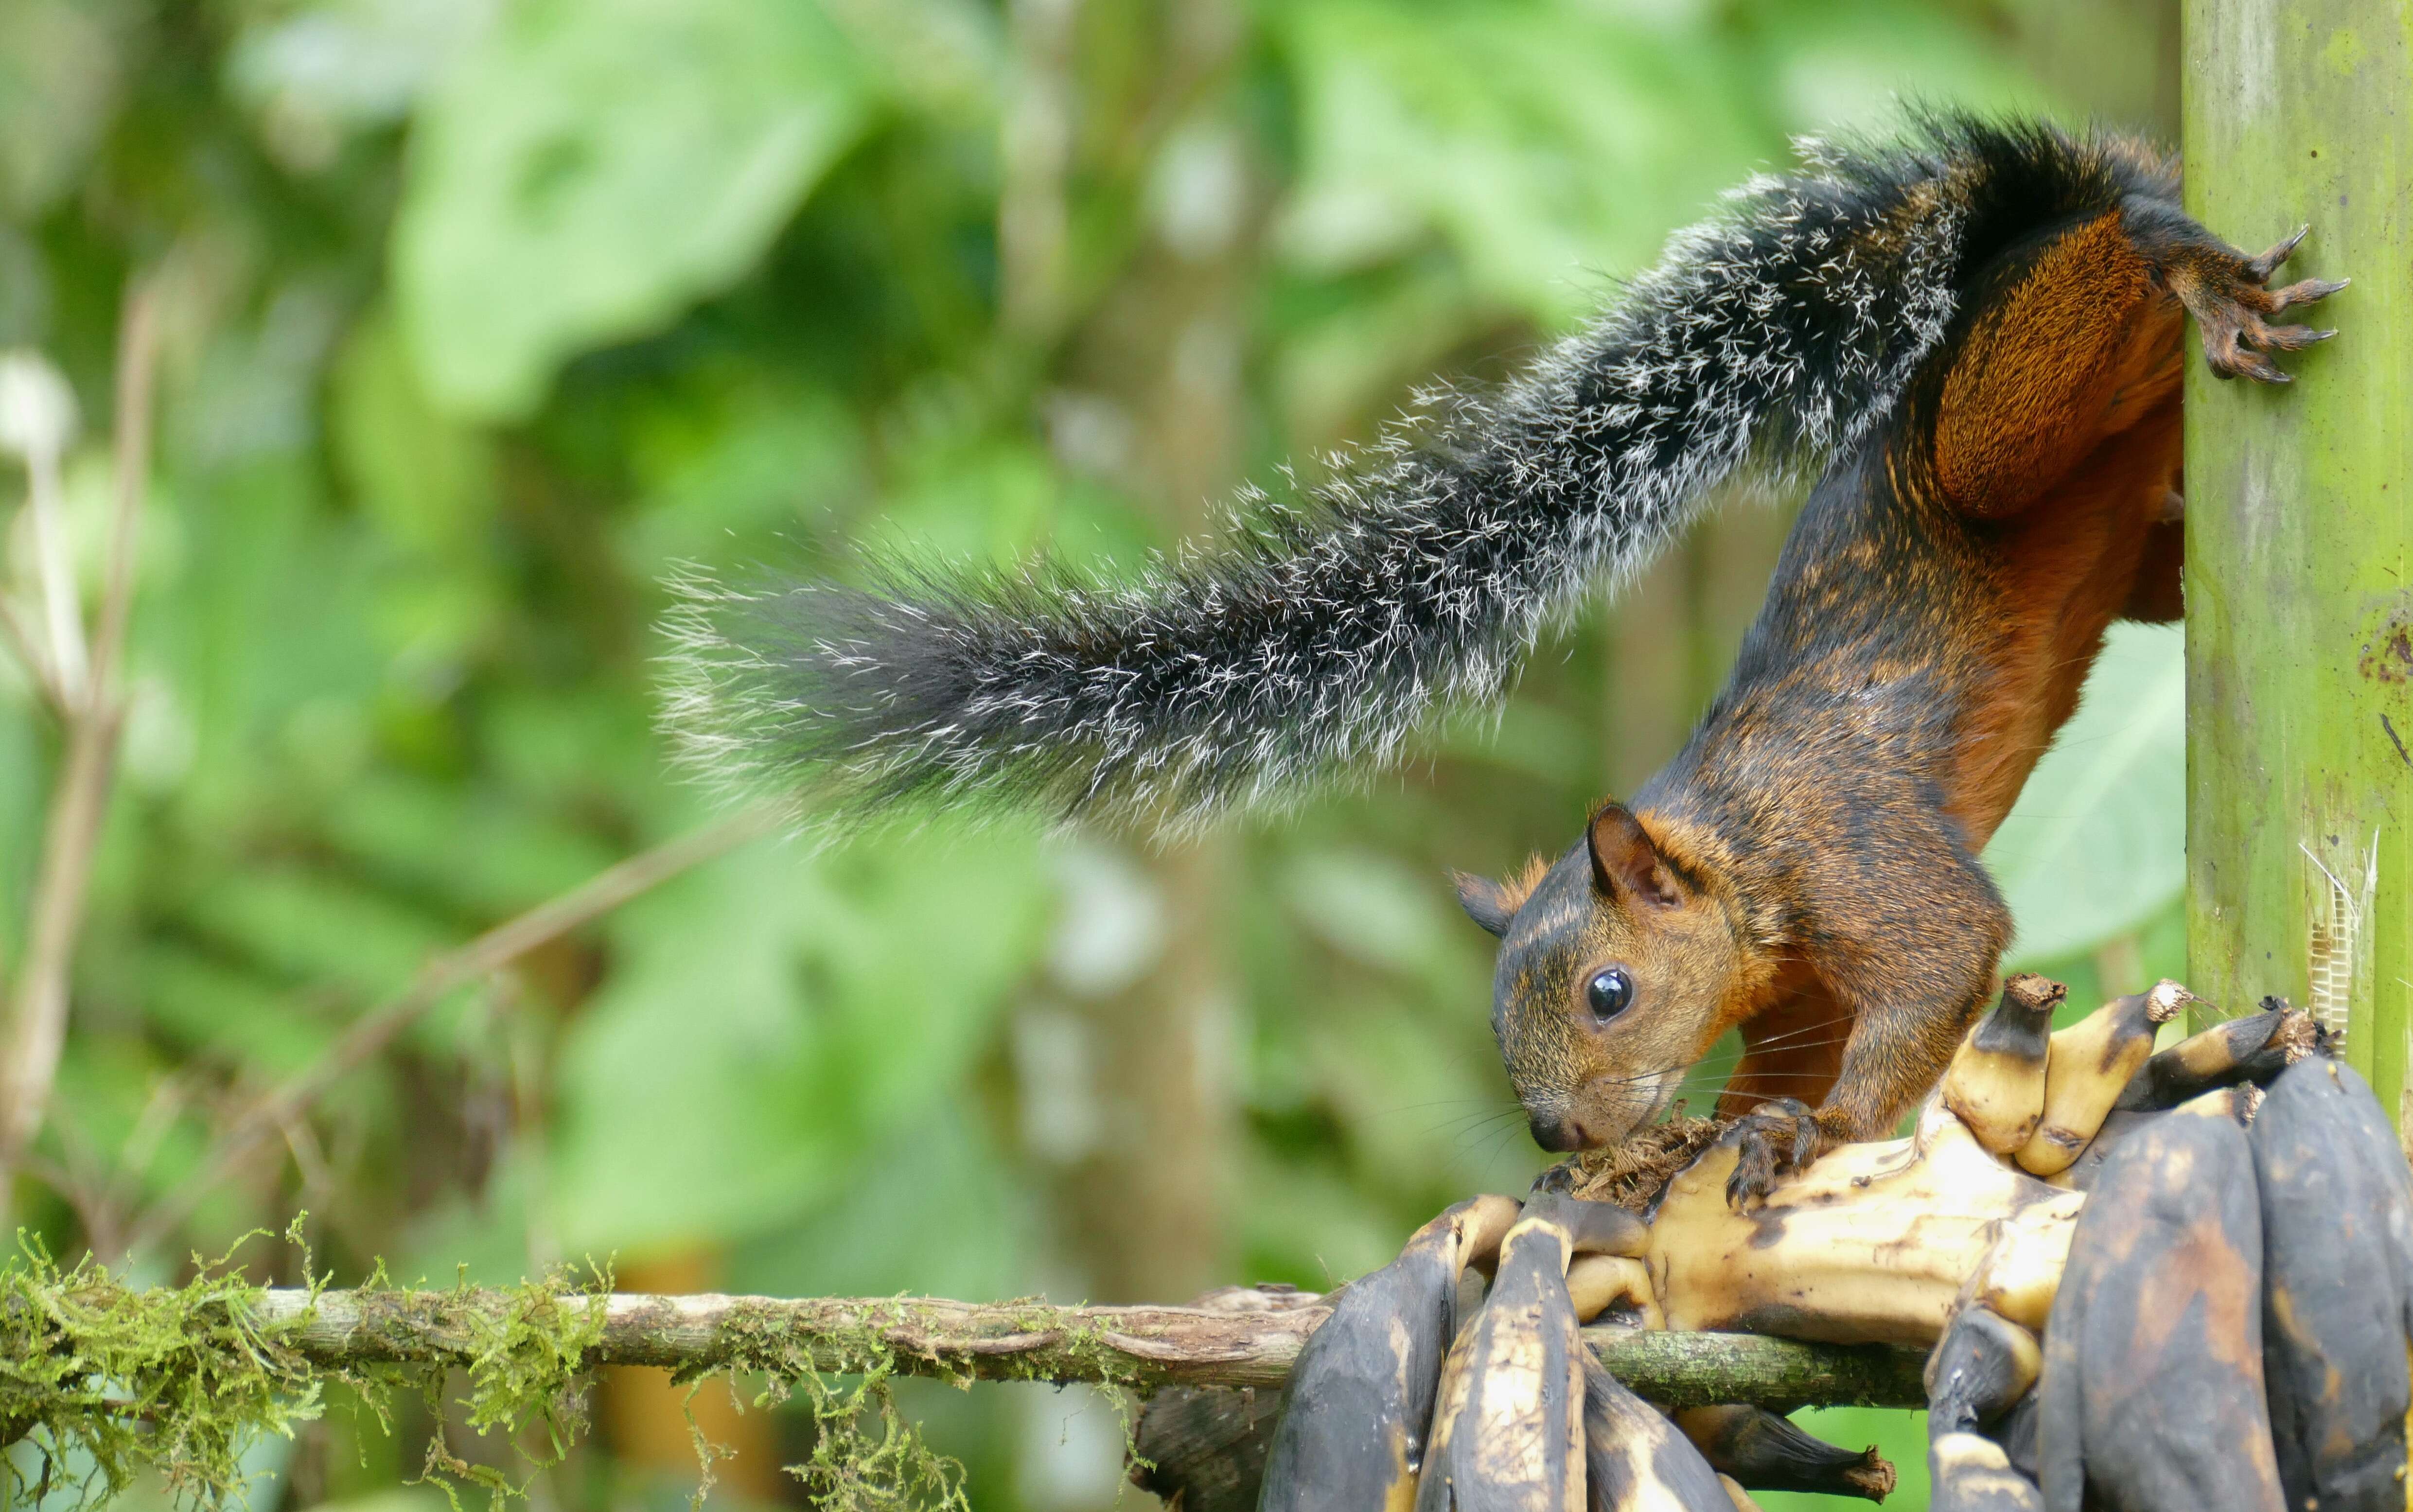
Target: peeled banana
(1872, 1243)
(1995, 1084)
(2088, 1066)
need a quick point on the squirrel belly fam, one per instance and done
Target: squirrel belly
(1972, 339)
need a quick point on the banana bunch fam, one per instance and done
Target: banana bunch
(2149, 1282)
(1398, 1403)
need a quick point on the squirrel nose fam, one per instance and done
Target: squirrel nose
(1556, 1135)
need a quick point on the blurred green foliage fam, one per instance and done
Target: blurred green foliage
(484, 317)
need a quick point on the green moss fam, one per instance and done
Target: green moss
(177, 1381)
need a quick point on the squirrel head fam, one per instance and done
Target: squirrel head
(1618, 971)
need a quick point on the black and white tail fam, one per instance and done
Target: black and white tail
(1327, 627)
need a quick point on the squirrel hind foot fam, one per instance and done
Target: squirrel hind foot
(2228, 295)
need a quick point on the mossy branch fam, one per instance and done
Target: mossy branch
(1139, 1347)
(107, 1382)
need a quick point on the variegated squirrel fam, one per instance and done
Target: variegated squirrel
(1972, 339)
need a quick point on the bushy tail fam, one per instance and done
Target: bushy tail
(1326, 629)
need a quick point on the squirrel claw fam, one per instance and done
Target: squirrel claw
(1783, 1138)
(2307, 291)
(2262, 267)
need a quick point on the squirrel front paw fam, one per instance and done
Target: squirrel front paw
(1782, 1136)
(2228, 295)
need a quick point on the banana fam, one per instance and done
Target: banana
(2151, 1391)
(2254, 1048)
(2337, 1226)
(1597, 1283)
(2016, 1431)
(1969, 1474)
(1508, 1432)
(1981, 1366)
(1356, 1406)
(1995, 1084)
(1635, 1462)
(1873, 1243)
(2088, 1066)
(1737, 1497)
(1763, 1452)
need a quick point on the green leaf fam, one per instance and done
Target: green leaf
(591, 169)
(1542, 141)
(2097, 844)
(770, 1018)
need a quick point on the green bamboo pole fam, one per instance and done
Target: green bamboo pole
(2299, 531)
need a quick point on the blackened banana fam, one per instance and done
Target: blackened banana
(2151, 1396)
(1969, 1474)
(2337, 1236)
(1634, 1459)
(1359, 1401)
(1508, 1425)
(2254, 1048)
(1763, 1452)
(2088, 1066)
(1995, 1084)
(1981, 1366)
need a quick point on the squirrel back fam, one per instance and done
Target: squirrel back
(1327, 627)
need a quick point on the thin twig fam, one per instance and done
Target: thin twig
(54, 563)
(20, 637)
(1133, 1347)
(375, 1029)
(37, 1030)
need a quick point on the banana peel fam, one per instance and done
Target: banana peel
(1870, 1243)
(1635, 1460)
(2337, 1235)
(1982, 1365)
(2251, 1049)
(1760, 1451)
(2152, 1392)
(1966, 1473)
(1358, 1403)
(1508, 1425)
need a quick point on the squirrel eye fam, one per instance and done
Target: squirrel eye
(1608, 992)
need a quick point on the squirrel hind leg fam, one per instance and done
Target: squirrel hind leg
(2230, 295)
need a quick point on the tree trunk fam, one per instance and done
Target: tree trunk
(2300, 532)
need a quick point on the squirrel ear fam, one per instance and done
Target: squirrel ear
(1625, 860)
(1488, 903)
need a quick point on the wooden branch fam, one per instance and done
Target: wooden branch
(1142, 1347)
(483, 956)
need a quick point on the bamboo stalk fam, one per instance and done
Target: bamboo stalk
(1141, 1347)
(2300, 533)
